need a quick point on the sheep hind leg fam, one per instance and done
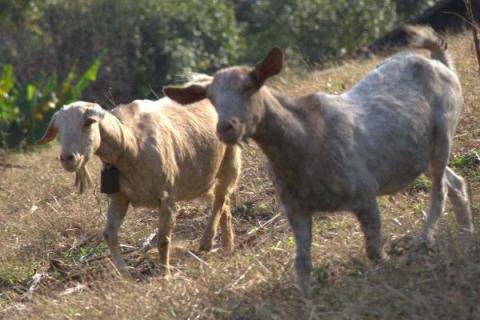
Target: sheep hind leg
(370, 223)
(457, 193)
(117, 208)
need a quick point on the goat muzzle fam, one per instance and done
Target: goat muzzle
(230, 131)
(70, 161)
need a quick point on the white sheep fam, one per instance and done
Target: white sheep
(164, 153)
(339, 152)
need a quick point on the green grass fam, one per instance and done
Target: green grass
(16, 274)
(467, 160)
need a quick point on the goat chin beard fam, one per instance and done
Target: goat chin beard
(83, 180)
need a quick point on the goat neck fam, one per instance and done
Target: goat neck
(117, 141)
(280, 130)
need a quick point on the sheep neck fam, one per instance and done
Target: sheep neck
(115, 146)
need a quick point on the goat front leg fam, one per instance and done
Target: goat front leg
(208, 238)
(369, 217)
(228, 235)
(302, 230)
(117, 208)
(164, 235)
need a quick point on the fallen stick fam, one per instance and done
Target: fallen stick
(198, 258)
(261, 226)
(471, 18)
(37, 277)
(253, 233)
(104, 256)
(79, 287)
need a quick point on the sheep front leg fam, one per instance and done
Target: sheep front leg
(370, 223)
(117, 208)
(165, 226)
(302, 229)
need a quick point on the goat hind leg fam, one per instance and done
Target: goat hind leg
(457, 193)
(437, 195)
(164, 236)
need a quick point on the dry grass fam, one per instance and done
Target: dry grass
(48, 229)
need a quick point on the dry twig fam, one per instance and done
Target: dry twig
(471, 18)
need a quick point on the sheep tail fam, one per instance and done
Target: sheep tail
(424, 37)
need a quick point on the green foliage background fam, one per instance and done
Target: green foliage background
(145, 44)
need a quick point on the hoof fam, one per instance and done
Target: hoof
(419, 250)
(466, 234)
(125, 272)
(303, 286)
(228, 249)
(205, 246)
(165, 272)
(401, 246)
(377, 257)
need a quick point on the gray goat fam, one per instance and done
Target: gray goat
(339, 152)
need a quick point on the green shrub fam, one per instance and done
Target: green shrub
(145, 43)
(8, 110)
(469, 159)
(25, 110)
(319, 29)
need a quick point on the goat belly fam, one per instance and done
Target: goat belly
(312, 198)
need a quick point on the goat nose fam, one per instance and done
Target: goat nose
(67, 157)
(224, 127)
(227, 126)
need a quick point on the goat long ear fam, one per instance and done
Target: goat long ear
(93, 114)
(187, 95)
(50, 133)
(271, 65)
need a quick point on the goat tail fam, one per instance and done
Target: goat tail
(424, 37)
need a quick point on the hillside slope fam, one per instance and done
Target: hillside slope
(50, 233)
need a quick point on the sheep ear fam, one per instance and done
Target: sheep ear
(94, 114)
(271, 65)
(187, 95)
(50, 133)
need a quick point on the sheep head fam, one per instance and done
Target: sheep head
(77, 125)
